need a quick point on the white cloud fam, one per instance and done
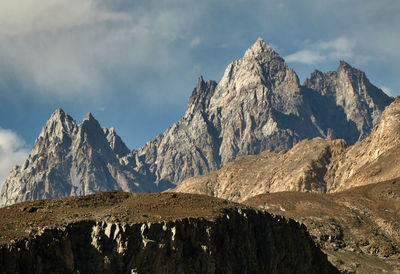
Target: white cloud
(318, 52)
(71, 47)
(305, 56)
(12, 152)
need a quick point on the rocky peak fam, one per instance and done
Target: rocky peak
(260, 49)
(56, 132)
(91, 131)
(343, 65)
(260, 68)
(349, 89)
(116, 143)
(60, 123)
(201, 95)
(354, 76)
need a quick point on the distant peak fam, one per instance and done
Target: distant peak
(90, 121)
(200, 83)
(57, 113)
(344, 65)
(259, 47)
(260, 43)
(59, 116)
(58, 124)
(88, 117)
(260, 50)
(351, 71)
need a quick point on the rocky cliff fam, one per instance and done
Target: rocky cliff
(359, 228)
(374, 159)
(257, 105)
(117, 232)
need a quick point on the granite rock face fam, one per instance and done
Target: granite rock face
(258, 105)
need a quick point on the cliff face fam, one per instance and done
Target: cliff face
(257, 105)
(178, 234)
(371, 160)
(359, 228)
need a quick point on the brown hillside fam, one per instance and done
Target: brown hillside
(359, 228)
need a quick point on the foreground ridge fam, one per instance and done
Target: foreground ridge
(116, 232)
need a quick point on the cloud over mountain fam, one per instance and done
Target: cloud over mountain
(12, 152)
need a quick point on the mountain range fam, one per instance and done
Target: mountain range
(258, 105)
(316, 165)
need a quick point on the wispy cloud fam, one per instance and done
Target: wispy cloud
(70, 47)
(339, 48)
(12, 152)
(305, 56)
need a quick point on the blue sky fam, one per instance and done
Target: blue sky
(134, 64)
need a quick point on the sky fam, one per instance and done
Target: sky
(134, 63)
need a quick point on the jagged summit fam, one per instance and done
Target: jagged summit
(88, 117)
(56, 129)
(260, 48)
(59, 115)
(350, 89)
(58, 112)
(344, 65)
(201, 95)
(116, 143)
(70, 159)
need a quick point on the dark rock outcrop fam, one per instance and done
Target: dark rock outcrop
(233, 239)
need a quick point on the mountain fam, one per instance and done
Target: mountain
(317, 165)
(258, 105)
(70, 159)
